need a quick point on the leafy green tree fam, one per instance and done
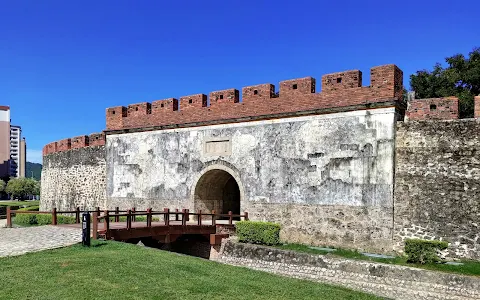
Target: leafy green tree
(2, 185)
(460, 78)
(22, 187)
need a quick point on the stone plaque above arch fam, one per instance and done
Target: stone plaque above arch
(217, 146)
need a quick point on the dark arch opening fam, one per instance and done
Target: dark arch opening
(217, 190)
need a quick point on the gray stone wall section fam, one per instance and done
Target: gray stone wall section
(318, 163)
(395, 282)
(74, 178)
(354, 227)
(437, 184)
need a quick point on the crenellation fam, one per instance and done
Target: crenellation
(193, 102)
(160, 106)
(80, 142)
(432, 109)
(292, 87)
(339, 90)
(115, 117)
(52, 148)
(139, 109)
(97, 139)
(224, 96)
(259, 91)
(341, 81)
(477, 106)
(64, 145)
(387, 81)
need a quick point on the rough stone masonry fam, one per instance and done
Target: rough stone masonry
(326, 166)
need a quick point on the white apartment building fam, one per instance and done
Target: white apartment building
(15, 150)
(4, 141)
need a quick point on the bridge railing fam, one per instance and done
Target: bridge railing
(183, 216)
(99, 216)
(54, 212)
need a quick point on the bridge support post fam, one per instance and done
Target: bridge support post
(54, 216)
(117, 211)
(9, 217)
(77, 215)
(107, 225)
(200, 217)
(166, 216)
(149, 217)
(129, 219)
(230, 218)
(246, 216)
(94, 225)
(213, 218)
(184, 217)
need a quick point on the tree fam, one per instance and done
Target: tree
(22, 187)
(2, 185)
(460, 78)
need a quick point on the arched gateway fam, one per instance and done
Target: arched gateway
(217, 189)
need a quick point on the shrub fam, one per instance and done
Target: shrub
(255, 232)
(30, 208)
(25, 219)
(44, 219)
(41, 219)
(423, 251)
(65, 219)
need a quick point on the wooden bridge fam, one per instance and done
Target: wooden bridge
(161, 226)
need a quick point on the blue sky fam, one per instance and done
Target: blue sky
(62, 63)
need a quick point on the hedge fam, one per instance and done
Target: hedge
(256, 232)
(423, 251)
(25, 219)
(30, 208)
(41, 219)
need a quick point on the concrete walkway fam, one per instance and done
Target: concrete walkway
(17, 241)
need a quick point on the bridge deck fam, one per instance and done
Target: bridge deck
(174, 224)
(119, 230)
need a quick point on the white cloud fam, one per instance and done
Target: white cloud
(34, 155)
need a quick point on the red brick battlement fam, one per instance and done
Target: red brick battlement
(94, 139)
(341, 89)
(477, 106)
(432, 109)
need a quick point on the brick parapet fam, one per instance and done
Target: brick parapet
(341, 89)
(432, 109)
(94, 139)
(477, 106)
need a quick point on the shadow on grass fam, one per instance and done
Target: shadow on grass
(93, 244)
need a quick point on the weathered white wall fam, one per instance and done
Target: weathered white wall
(316, 162)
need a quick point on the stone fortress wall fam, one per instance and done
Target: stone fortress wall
(325, 165)
(437, 176)
(73, 173)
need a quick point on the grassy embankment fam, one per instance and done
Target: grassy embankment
(468, 268)
(113, 270)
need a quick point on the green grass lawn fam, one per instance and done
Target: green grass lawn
(113, 270)
(468, 267)
(20, 203)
